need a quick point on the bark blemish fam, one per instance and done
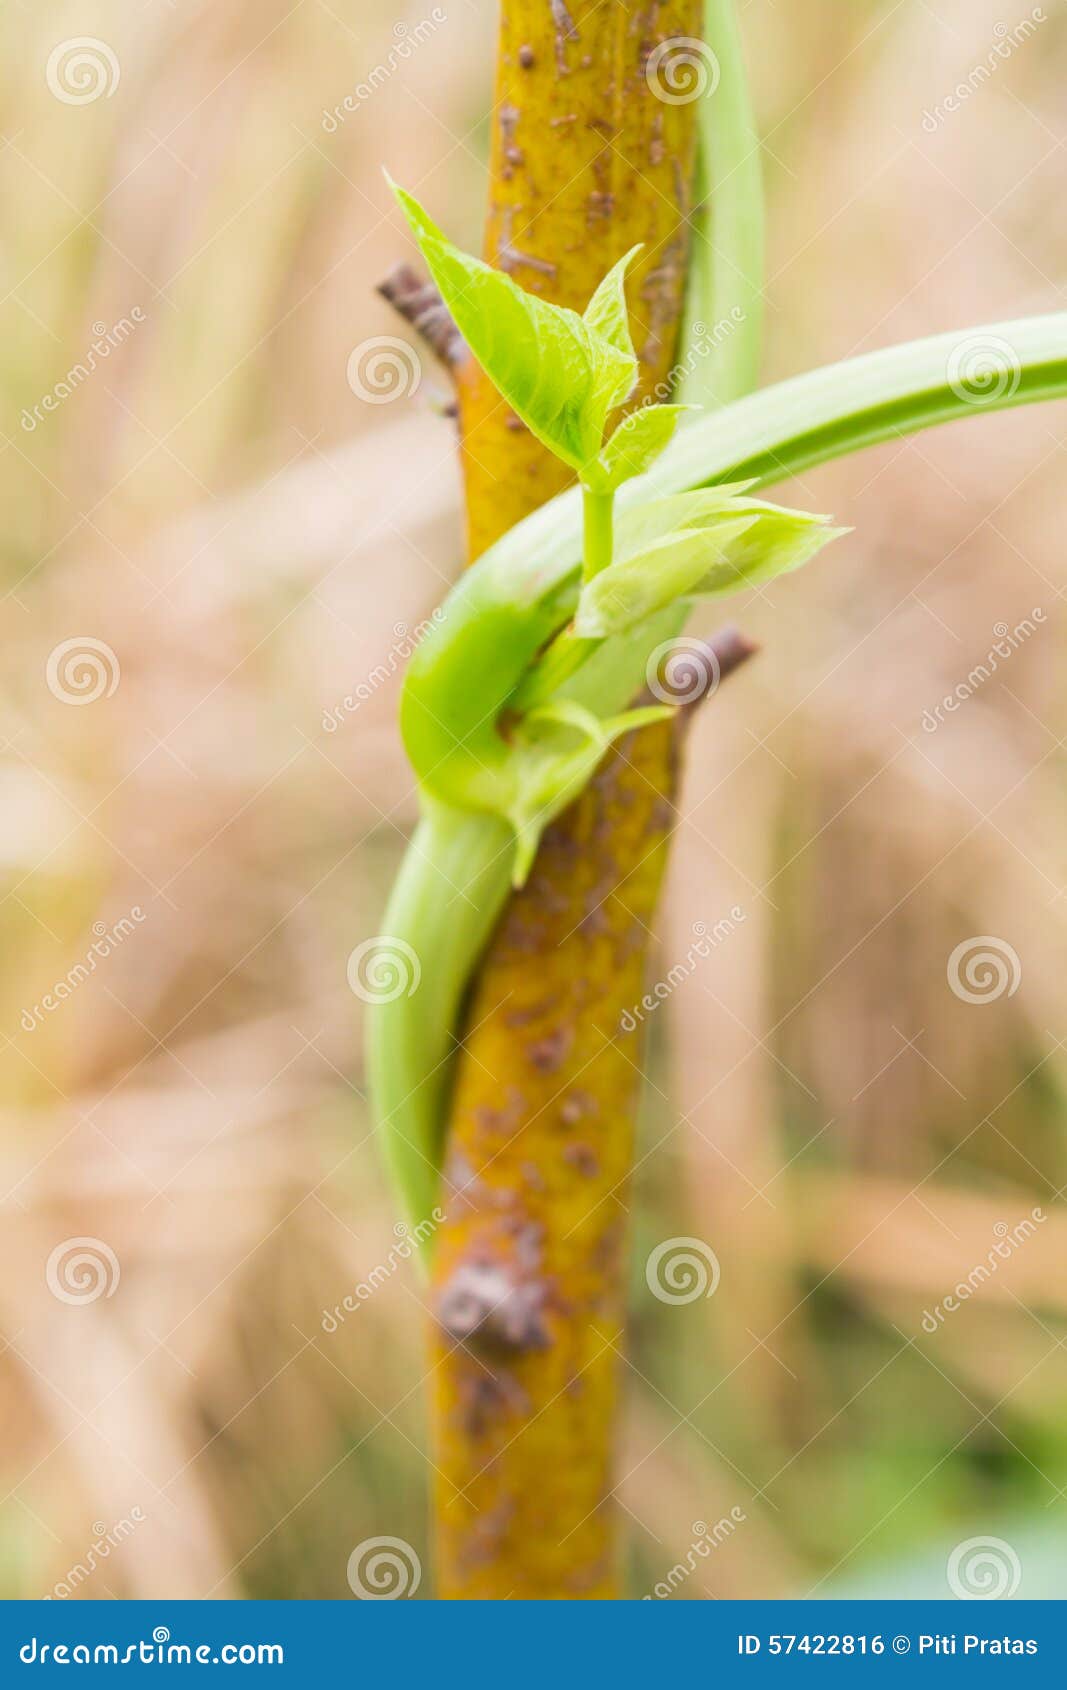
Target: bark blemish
(583, 1159)
(657, 151)
(576, 1106)
(498, 1120)
(486, 1304)
(596, 920)
(512, 259)
(529, 1012)
(485, 1401)
(547, 1055)
(533, 1178)
(509, 257)
(565, 31)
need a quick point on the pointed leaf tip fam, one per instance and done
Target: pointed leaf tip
(561, 373)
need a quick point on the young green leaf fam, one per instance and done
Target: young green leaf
(557, 748)
(719, 546)
(632, 591)
(779, 541)
(560, 374)
(635, 444)
(607, 319)
(642, 525)
(606, 313)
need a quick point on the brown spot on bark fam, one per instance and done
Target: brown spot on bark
(529, 1238)
(533, 1178)
(531, 1012)
(576, 1106)
(547, 1054)
(583, 1158)
(484, 1304)
(501, 1122)
(565, 24)
(485, 1401)
(656, 149)
(597, 919)
(565, 31)
(512, 259)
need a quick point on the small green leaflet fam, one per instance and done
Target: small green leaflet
(635, 444)
(779, 541)
(642, 525)
(557, 749)
(564, 375)
(561, 373)
(695, 545)
(633, 590)
(606, 313)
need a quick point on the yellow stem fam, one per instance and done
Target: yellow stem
(586, 160)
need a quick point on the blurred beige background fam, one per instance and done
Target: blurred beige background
(213, 536)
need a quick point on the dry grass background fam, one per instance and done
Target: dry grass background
(247, 536)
